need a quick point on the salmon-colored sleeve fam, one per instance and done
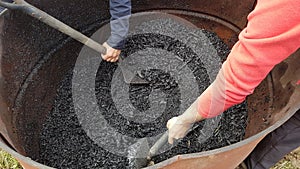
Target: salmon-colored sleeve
(271, 35)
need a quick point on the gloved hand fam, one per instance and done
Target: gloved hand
(180, 125)
(112, 55)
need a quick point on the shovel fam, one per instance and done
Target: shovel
(129, 76)
(135, 162)
(142, 148)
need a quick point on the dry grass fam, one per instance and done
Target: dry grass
(8, 162)
(290, 161)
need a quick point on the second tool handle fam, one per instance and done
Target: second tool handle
(158, 145)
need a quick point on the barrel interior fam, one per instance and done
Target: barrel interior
(36, 58)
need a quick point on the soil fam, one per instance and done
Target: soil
(65, 144)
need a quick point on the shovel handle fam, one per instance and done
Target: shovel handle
(158, 144)
(11, 6)
(53, 22)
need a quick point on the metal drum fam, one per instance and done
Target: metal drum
(35, 58)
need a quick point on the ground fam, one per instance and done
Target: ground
(7, 162)
(290, 161)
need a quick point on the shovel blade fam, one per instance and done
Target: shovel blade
(137, 154)
(135, 80)
(130, 77)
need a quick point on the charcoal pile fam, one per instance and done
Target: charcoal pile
(177, 73)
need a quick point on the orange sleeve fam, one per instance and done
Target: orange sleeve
(271, 35)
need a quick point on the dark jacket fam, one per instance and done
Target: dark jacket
(120, 11)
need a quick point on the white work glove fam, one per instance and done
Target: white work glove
(112, 55)
(179, 126)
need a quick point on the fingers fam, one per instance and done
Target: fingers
(177, 129)
(112, 55)
(172, 131)
(170, 140)
(170, 124)
(112, 59)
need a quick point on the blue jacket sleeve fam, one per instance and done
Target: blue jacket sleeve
(120, 11)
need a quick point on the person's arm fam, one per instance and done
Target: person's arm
(271, 35)
(120, 11)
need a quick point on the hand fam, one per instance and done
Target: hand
(180, 125)
(177, 128)
(112, 55)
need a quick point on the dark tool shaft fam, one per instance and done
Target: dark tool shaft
(56, 24)
(158, 145)
(136, 161)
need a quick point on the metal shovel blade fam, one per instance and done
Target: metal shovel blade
(137, 154)
(141, 149)
(130, 77)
